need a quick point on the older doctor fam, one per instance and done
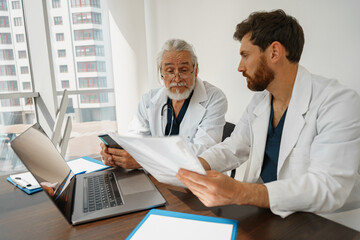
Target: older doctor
(300, 133)
(185, 106)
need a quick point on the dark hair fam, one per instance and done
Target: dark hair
(267, 27)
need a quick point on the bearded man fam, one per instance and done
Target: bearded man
(185, 105)
(300, 134)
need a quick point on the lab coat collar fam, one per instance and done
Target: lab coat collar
(294, 121)
(195, 109)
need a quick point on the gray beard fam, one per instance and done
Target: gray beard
(180, 96)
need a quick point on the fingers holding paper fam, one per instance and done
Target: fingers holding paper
(216, 189)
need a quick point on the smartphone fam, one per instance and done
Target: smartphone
(109, 142)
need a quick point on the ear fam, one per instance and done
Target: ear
(196, 70)
(276, 51)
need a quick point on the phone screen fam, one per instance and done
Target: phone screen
(109, 142)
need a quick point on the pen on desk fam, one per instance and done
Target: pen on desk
(27, 184)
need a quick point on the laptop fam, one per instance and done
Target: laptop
(85, 197)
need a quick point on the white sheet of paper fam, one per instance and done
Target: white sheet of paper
(162, 157)
(27, 178)
(80, 165)
(164, 227)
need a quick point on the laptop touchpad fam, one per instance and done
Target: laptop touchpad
(134, 184)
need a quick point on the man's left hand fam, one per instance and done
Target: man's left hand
(216, 189)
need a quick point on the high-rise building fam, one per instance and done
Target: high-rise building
(14, 64)
(81, 53)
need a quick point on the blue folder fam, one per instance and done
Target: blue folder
(188, 216)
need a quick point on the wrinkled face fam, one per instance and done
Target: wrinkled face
(253, 65)
(178, 73)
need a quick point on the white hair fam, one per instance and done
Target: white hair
(176, 45)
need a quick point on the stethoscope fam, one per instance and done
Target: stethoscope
(166, 106)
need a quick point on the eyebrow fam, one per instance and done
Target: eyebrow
(243, 52)
(183, 63)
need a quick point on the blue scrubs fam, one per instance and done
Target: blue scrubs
(273, 140)
(176, 121)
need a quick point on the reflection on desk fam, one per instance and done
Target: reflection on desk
(25, 216)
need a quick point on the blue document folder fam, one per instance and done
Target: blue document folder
(147, 228)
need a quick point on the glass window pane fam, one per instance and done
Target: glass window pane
(16, 115)
(81, 52)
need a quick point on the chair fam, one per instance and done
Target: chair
(228, 129)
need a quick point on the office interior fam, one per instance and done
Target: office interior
(49, 52)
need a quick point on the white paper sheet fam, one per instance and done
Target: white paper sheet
(164, 227)
(162, 157)
(80, 165)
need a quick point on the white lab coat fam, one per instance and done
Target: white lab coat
(202, 125)
(318, 165)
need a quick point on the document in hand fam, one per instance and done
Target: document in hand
(162, 157)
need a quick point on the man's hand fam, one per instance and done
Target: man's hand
(106, 158)
(216, 189)
(117, 157)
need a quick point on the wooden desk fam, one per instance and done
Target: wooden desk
(34, 217)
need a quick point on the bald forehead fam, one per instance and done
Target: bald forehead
(176, 58)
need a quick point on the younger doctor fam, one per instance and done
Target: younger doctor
(185, 105)
(300, 133)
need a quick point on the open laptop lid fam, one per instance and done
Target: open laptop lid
(46, 164)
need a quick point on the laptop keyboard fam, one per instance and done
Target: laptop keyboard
(101, 192)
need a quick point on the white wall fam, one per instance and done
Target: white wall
(332, 38)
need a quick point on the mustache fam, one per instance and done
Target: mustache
(180, 84)
(246, 75)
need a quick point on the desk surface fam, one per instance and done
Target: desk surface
(34, 216)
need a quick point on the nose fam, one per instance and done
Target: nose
(241, 67)
(177, 77)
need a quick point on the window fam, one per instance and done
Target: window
(92, 82)
(10, 102)
(8, 86)
(24, 70)
(59, 37)
(4, 22)
(6, 54)
(20, 38)
(28, 101)
(94, 98)
(26, 86)
(18, 21)
(5, 38)
(58, 20)
(96, 66)
(86, 17)
(3, 5)
(15, 4)
(56, 3)
(22, 54)
(63, 68)
(85, 3)
(90, 50)
(7, 70)
(61, 53)
(65, 84)
(88, 34)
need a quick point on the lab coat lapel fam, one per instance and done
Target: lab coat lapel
(195, 111)
(294, 121)
(156, 107)
(259, 129)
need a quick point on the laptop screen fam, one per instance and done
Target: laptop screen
(46, 164)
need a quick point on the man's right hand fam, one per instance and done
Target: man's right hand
(118, 157)
(106, 158)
